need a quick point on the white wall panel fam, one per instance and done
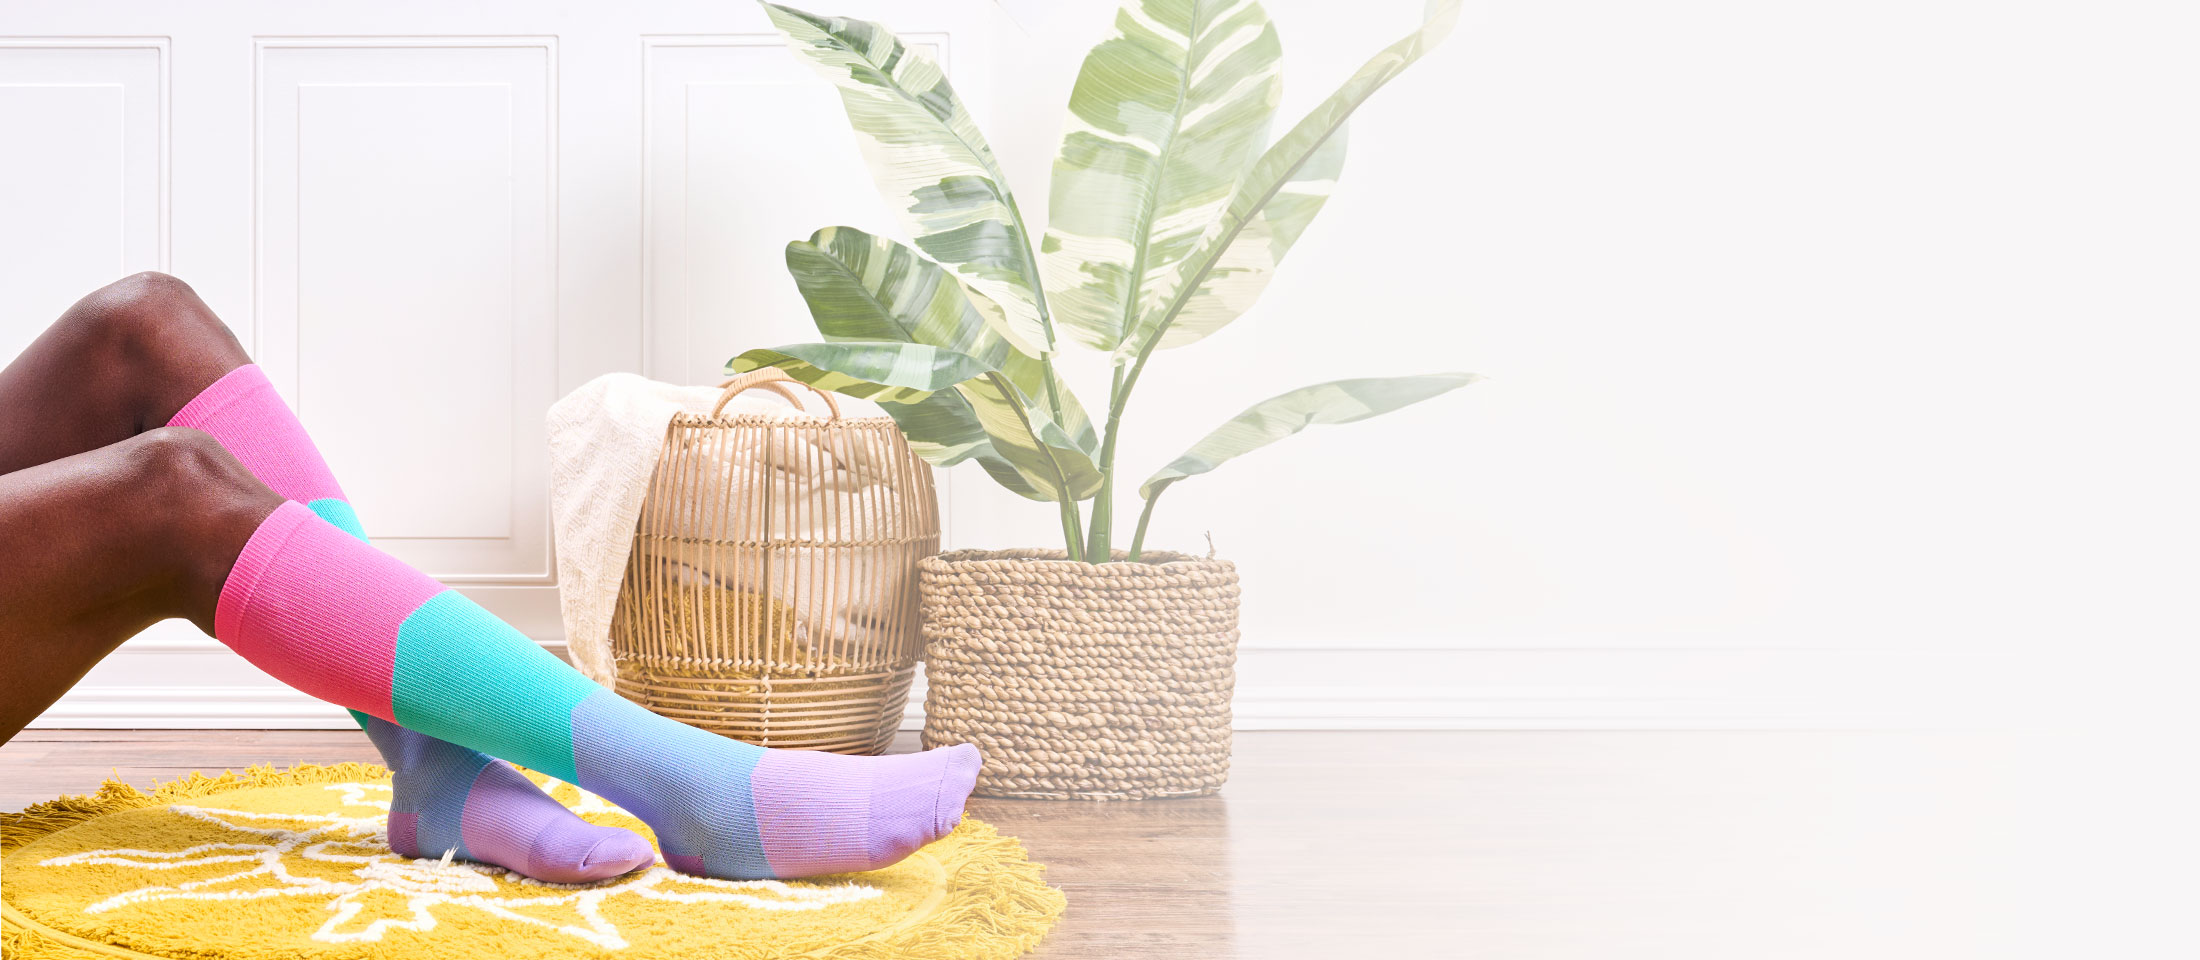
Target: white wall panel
(745, 148)
(724, 189)
(83, 172)
(406, 285)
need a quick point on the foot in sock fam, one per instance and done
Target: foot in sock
(446, 797)
(345, 622)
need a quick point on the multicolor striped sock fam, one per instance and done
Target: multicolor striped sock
(338, 619)
(445, 797)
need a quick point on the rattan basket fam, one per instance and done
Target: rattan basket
(1082, 681)
(771, 595)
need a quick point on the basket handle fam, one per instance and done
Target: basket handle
(774, 380)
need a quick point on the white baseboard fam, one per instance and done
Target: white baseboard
(155, 707)
(178, 679)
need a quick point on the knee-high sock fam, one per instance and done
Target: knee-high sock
(345, 622)
(445, 797)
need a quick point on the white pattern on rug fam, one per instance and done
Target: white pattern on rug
(426, 884)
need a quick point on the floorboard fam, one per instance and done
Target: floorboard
(1508, 844)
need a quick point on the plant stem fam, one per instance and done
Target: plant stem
(1138, 539)
(1073, 533)
(1119, 396)
(1038, 297)
(1054, 394)
(1070, 538)
(1103, 505)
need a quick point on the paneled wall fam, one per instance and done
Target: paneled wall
(429, 220)
(85, 173)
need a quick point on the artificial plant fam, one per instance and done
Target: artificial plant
(1170, 209)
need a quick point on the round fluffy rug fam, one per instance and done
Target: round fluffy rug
(293, 864)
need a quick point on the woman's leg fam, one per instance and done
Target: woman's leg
(120, 362)
(146, 351)
(96, 547)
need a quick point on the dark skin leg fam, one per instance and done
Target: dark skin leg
(109, 522)
(98, 546)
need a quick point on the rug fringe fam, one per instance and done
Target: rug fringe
(1017, 910)
(1008, 909)
(40, 819)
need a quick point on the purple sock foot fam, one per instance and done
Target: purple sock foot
(449, 798)
(510, 822)
(825, 813)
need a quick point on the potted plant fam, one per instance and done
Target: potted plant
(1087, 671)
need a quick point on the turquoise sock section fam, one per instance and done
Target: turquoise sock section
(465, 676)
(339, 515)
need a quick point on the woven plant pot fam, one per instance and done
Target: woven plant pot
(1082, 681)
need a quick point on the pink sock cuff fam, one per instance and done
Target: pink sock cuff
(319, 610)
(243, 412)
(253, 564)
(236, 386)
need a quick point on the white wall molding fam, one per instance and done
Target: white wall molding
(96, 192)
(357, 142)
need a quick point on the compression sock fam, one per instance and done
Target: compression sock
(445, 797)
(338, 619)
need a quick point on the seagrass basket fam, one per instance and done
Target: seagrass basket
(1082, 681)
(771, 595)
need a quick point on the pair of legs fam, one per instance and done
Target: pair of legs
(111, 519)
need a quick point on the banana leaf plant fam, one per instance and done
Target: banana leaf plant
(1170, 207)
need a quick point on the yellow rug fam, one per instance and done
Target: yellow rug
(293, 864)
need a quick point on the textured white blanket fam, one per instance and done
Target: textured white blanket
(604, 441)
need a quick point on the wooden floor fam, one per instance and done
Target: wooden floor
(1348, 845)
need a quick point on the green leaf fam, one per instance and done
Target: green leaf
(1263, 423)
(1166, 115)
(1038, 449)
(939, 423)
(931, 163)
(1012, 435)
(864, 287)
(1278, 198)
(881, 372)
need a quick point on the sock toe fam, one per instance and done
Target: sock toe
(622, 852)
(956, 781)
(917, 798)
(581, 852)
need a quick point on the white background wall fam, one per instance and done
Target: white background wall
(1826, 342)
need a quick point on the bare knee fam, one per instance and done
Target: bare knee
(151, 339)
(205, 502)
(147, 286)
(182, 466)
(147, 313)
